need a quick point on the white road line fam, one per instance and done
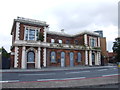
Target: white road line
(9, 81)
(36, 74)
(103, 70)
(61, 79)
(76, 72)
(110, 75)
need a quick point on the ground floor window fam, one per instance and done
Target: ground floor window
(79, 57)
(53, 57)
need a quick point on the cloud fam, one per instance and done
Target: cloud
(71, 15)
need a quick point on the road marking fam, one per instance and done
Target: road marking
(36, 74)
(110, 75)
(103, 70)
(114, 68)
(9, 81)
(61, 79)
(76, 72)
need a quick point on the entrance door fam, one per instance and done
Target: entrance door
(93, 58)
(62, 59)
(30, 60)
(71, 59)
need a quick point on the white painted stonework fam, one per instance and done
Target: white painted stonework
(85, 39)
(16, 58)
(17, 30)
(23, 66)
(44, 57)
(98, 41)
(90, 58)
(86, 57)
(39, 59)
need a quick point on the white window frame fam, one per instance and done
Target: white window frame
(33, 28)
(52, 40)
(60, 41)
(95, 41)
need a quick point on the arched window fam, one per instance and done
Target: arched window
(30, 56)
(53, 57)
(79, 57)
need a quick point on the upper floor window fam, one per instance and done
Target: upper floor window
(31, 34)
(67, 41)
(76, 42)
(93, 42)
(60, 41)
(52, 40)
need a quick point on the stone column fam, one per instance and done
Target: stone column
(23, 66)
(16, 58)
(39, 58)
(86, 57)
(44, 58)
(90, 58)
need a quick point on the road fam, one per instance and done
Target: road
(59, 75)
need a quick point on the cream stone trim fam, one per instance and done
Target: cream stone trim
(44, 58)
(16, 58)
(23, 66)
(98, 41)
(85, 39)
(17, 30)
(86, 57)
(90, 58)
(39, 58)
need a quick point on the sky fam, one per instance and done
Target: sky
(71, 15)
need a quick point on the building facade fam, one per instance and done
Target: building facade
(34, 46)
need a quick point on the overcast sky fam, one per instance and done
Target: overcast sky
(71, 15)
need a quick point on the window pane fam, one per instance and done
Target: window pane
(52, 40)
(60, 41)
(31, 34)
(79, 57)
(53, 56)
(67, 42)
(26, 34)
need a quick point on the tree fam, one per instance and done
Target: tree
(116, 49)
(41, 37)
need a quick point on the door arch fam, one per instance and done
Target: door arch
(71, 59)
(62, 59)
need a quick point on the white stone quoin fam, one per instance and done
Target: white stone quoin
(44, 60)
(23, 66)
(16, 58)
(90, 58)
(98, 41)
(39, 59)
(86, 57)
(17, 30)
(85, 39)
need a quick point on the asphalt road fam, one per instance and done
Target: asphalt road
(58, 75)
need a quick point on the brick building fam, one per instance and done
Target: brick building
(34, 46)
